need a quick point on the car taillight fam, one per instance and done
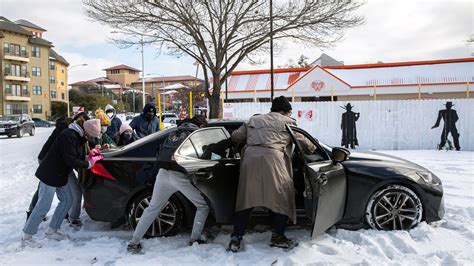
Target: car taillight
(99, 169)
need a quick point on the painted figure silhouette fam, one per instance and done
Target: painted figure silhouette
(348, 126)
(450, 117)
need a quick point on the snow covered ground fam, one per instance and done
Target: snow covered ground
(448, 243)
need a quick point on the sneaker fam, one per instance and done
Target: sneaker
(76, 224)
(235, 244)
(199, 241)
(134, 248)
(56, 236)
(281, 241)
(29, 242)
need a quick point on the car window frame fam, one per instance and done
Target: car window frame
(177, 152)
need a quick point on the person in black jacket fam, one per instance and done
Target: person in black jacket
(146, 123)
(450, 118)
(65, 154)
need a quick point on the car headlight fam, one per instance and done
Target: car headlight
(427, 177)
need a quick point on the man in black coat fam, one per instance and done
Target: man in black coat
(146, 123)
(450, 118)
(348, 126)
(65, 154)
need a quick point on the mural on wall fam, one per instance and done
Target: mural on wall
(348, 126)
(450, 117)
(306, 114)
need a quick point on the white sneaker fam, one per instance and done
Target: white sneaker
(30, 243)
(56, 236)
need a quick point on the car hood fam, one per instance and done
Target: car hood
(8, 123)
(391, 164)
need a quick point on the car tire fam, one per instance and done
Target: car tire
(32, 132)
(9, 135)
(168, 221)
(395, 207)
(19, 133)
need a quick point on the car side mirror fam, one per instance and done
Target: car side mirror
(340, 154)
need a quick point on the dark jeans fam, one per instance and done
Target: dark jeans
(241, 219)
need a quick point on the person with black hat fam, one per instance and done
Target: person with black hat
(348, 126)
(146, 123)
(450, 118)
(266, 175)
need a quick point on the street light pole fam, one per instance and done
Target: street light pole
(67, 89)
(143, 75)
(271, 50)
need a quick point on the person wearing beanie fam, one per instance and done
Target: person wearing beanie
(116, 123)
(147, 123)
(171, 178)
(102, 140)
(266, 175)
(126, 135)
(64, 155)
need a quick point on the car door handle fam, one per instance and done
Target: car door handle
(206, 175)
(323, 180)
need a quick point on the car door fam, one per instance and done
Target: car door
(325, 184)
(213, 167)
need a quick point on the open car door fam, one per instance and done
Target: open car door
(325, 183)
(213, 167)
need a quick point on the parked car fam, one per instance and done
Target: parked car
(333, 186)
(16, 125)
(170, 118)
(42, 123)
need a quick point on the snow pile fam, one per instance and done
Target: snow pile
(446, 243)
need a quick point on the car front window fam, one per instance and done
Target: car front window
(10, 118)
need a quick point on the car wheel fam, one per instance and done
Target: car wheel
(395, 207)
(168, 221)
(32, 133)
(9, 136)
(19, 133)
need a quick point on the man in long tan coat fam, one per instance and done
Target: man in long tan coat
(266, 176)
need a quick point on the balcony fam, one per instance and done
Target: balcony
(24, 96)
(22, 56)
(24, 76)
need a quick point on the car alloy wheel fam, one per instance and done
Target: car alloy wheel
(395, 207)
(168, 221)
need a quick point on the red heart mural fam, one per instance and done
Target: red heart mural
(317, 85)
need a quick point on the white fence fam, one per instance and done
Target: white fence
(390, 125)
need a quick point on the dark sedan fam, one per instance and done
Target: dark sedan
(333, 187)
(42, 123)
(16, 125)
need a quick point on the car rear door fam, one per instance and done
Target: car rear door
(213, 167)
(325, 184)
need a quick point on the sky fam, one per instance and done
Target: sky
(394, 31)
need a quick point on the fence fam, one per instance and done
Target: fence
(390, 125)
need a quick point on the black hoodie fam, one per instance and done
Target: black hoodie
(144, 126)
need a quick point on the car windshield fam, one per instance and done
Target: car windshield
(10, 118)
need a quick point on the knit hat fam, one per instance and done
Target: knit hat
(199, 120)
(124, 127)
(92, 127)
(280, 104)
(104, 119)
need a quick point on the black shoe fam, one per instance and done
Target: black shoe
(235, 244)
(76, 224)
(134, 248)
(281, 241)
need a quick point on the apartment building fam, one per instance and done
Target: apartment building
(28, 77)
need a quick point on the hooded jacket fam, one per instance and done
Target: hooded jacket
(144, 126)
(60, 126)
(113, 129)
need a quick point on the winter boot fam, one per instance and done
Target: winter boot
(27, 241)
(201, 240)
(134, 248)
(54, 234)
(235, 244)
(76, 224)
(281, 241)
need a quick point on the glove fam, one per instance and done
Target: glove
(93, 160)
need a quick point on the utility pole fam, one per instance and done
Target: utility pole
(271, 50)
(143, 76)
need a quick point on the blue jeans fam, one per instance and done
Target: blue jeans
(76, 194)
(45, 199)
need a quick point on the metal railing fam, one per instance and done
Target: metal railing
(7, 51)
(23, 74)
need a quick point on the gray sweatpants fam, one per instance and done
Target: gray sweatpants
(167, 183)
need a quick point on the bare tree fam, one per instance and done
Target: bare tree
(219, 34)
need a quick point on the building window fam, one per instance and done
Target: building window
(62, 69)
(52, 65)
(37, 90)
(35, 51)
(62, 82)
(36, 71)
(131, 72)
(115, 71)
(62, 96)
(37, 108)
(53, 94)
(52, 79)
(16, 109)
(16, 90)
(8, 89)
(15, 70)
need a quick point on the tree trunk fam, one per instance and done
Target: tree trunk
(215, 101)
